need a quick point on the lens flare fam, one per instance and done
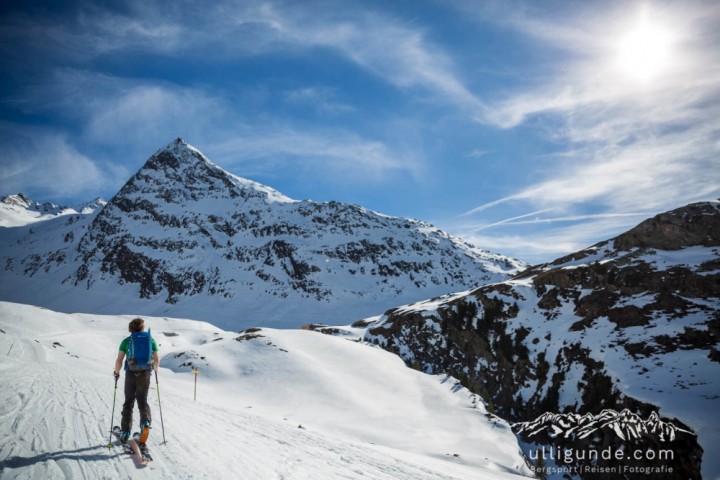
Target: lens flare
(644, 53)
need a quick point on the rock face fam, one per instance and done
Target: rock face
(630, 323)
(183, 237)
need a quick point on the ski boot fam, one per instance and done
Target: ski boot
(144, 432)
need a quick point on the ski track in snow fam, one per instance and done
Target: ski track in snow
(55, 405)
(50, 436)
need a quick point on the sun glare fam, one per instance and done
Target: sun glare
(644, 53)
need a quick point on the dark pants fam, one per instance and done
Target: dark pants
(137, 385)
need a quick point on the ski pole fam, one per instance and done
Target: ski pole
(112, 415)
(157, 383)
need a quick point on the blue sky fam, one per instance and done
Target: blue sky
(530, 128)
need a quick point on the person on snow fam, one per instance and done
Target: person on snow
(139, 351)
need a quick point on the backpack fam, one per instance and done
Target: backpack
(139, 354)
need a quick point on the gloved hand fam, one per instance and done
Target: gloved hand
(116, 374)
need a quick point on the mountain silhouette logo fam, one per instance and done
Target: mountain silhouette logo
(625, 424)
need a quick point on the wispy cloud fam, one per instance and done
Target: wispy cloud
(540, 220)
(630, 146)
(126, 115)
(478, 153)
(132, 117)
(512, 220)
(394, 50)
(542, 239)
(336, 154)
(41, 162)
(131, 114)
(322, 99)
(87, 33)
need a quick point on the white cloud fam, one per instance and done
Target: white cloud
(478, 153)
(323, 99)
(327, 154)
(42, 162)
(141, 114)
(391, 49)
(542, 239)
(133, 118)
(130, 117)
(395, 52)
(146, 113)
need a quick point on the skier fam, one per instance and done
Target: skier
(141, 351)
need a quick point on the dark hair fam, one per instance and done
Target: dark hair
(136, 325)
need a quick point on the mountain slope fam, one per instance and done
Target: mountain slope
(186, 238)
(632, 323)
(270, 404)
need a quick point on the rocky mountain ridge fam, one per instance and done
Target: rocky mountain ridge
(630, 323)
(184, 237)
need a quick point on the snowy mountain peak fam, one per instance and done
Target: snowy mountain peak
(177, 155)
(180, 172)
(18, 200)
(185, 237)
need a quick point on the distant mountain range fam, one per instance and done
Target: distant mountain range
(630, 323)
(19, 210)
(185, 238)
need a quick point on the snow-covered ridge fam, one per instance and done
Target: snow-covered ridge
(19, 210)
(270, 404)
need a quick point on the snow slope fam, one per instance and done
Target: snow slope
(271, 404)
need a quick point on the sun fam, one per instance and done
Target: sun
(644, 53)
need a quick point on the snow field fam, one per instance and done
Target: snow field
(289, 404)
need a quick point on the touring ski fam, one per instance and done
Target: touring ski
(142, 447)
(132, 448)
(126, 445)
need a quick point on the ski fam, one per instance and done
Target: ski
(142, 447)
(126, 445)
(127, 448)
(132, 448)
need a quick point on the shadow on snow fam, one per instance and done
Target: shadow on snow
(19, 462)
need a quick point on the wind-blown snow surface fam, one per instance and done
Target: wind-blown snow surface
(271, 404)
